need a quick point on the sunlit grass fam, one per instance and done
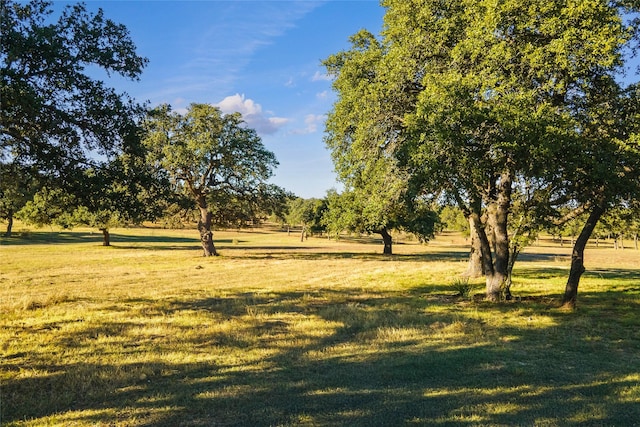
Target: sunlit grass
(282, 332)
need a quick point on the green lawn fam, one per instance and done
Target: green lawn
(282, 332)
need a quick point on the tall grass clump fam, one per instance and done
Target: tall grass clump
(461, 286)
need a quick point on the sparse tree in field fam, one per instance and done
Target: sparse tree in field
(55, 120)
(215, 158)
(633, 222)
(619, 223)
(359, 130)
(452, 219)
(475, 101)
(124, 191)
(18, 184)
(306, 213)
(378, 206)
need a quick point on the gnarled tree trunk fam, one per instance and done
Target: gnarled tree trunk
(10, 223)
(106, 237)
(577, 258)
(497, 267)
(204, 227)
(387, 240)
(498, 274)
(485, 248)
(495, 264)
(475, 268)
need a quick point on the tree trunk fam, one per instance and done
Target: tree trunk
(204, 227)
(10, 223)
(513, 256)
(497, 276)
(303, 233)
(485, 251)
(475, 268)
(106, 237)
(386, 239)
(577, 258)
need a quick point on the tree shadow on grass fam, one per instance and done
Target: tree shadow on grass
(68, 237)
(307, 253)
(626, 276)
(392, 358)
(50, 238)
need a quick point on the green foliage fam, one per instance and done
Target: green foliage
(212, 156)
(452, 218)
(53, 114)
(124, 191)
(238, 211)
(55, 207)
(48, 206)
(217, 161)
(56, 120)
(307, 213)
(17, 186)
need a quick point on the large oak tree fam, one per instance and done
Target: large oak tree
(215, 158)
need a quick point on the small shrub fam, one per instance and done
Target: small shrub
(461, 286)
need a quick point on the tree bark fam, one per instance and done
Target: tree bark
(577, 258)
(475, 268)
(106, 237)
(387, 240)
(498, 217)
(9, 223)
(485, 248)
(513, 257)
(204, 227)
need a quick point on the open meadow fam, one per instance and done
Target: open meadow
(278, 332)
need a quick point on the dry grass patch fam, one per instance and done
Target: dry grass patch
(282, 332)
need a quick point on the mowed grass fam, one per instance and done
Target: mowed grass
(281, 332)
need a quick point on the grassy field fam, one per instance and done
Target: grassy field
(282, 332)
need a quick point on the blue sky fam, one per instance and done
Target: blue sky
(262, 58)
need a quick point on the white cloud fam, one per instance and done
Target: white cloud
(311, 122)
(322, 95)
(252, 113)
(318, 77)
